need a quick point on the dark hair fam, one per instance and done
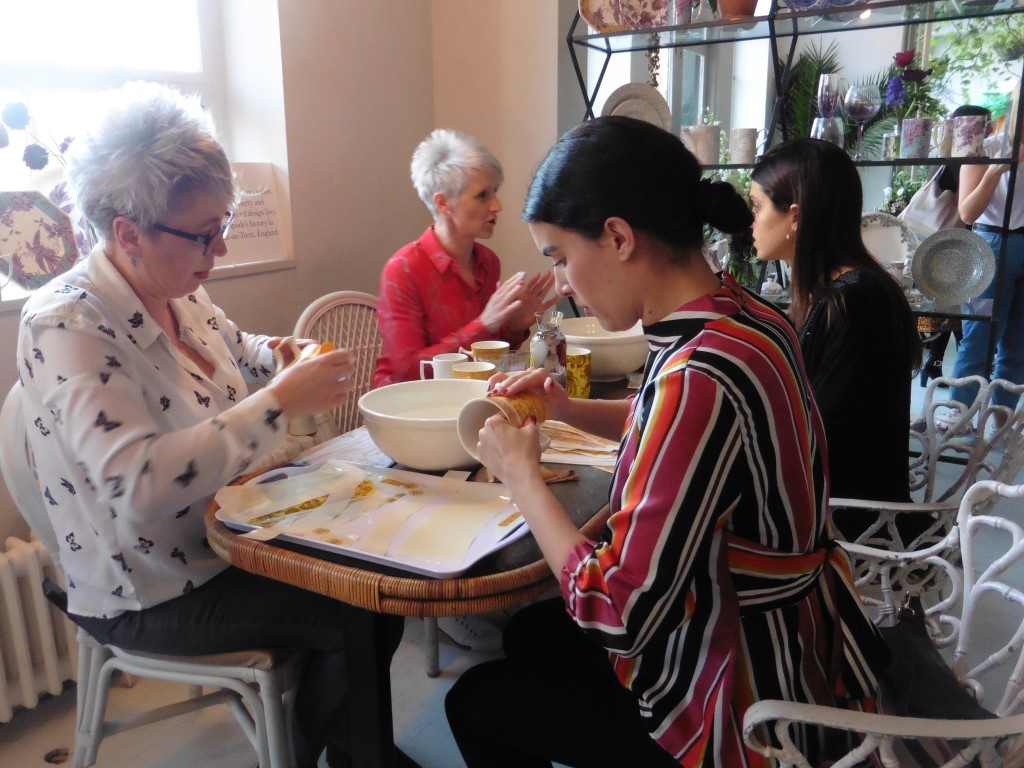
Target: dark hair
(823, 182)
(620, 166)
(821, 179)
(949, 178)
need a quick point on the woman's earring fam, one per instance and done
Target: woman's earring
(788, 234)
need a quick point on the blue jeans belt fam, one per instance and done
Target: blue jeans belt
(997, 230)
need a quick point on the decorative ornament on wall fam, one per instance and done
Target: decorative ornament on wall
(37, 240)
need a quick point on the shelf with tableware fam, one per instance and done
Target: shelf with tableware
(946, 279)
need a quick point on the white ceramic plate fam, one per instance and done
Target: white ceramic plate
(888, 239)
(37, 240)
(953, 266)
(430, 525)
(641, 101)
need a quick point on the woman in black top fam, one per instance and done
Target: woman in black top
(858, 337)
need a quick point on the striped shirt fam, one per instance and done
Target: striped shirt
(714, 584)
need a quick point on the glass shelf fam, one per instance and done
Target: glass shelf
(787, 23)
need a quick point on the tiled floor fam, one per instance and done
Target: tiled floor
(212, 739)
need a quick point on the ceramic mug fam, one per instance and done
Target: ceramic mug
(743, 145)
(942, 137)
(915, 137)
(577, 372)
(518, 410)
(704, 141)
(442, 364)
(969, 135)
(487, 351)
(473, 370)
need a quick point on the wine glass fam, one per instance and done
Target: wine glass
(830, 87)
(862, 103)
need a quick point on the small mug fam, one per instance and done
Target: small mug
(518, 410)
(969, 135)
(743, 145)
(441, 365)
(942, 137)
(487, 351)
(577, 372)
(473, 370)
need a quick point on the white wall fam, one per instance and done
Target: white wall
(495, 76)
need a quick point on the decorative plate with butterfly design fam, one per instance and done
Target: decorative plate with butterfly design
(37, 239)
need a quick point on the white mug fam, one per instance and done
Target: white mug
(442, 364)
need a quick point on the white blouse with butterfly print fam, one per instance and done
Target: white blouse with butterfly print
(130, 438)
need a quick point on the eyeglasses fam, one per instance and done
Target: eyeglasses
(205, 240)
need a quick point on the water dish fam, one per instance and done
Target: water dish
(641, 101)
(953, 266)
(888, 239)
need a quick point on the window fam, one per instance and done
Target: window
(56, 55)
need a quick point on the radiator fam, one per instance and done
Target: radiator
(38, 650)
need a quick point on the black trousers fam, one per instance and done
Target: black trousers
(237, 610)
(553, 698)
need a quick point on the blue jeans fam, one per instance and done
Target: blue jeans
(1009, 356)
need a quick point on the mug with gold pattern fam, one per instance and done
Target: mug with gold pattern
(518, 410)
(488, 351)
(577, 372)
(474, 370)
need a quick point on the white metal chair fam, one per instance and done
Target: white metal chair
(988, 661)
(989, 453)
(257, 684)
(349, 319)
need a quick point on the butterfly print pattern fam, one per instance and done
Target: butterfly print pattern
(154, 438)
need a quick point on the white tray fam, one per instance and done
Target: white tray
(430, 525)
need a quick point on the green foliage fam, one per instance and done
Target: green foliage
(901, 188)
(800, 92)
(981, 51)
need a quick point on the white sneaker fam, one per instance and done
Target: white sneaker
(471, 632)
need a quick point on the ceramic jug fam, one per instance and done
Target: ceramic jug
(704, 141)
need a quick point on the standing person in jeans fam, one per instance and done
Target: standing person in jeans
(948, 181)
(982, 203)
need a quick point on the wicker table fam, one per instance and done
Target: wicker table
(505, 578)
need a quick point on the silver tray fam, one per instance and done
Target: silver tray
(953, 266)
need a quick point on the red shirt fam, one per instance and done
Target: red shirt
(425, 308)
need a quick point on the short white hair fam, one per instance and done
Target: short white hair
(151, 149)
(444, 161)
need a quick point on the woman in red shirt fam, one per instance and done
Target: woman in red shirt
(443, 291)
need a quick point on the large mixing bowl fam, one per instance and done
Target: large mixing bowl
(613, 354)
(414, 422)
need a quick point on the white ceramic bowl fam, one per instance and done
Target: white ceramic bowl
(613, 354)
(414, 422)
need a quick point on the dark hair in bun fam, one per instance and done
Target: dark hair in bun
(619, 166)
